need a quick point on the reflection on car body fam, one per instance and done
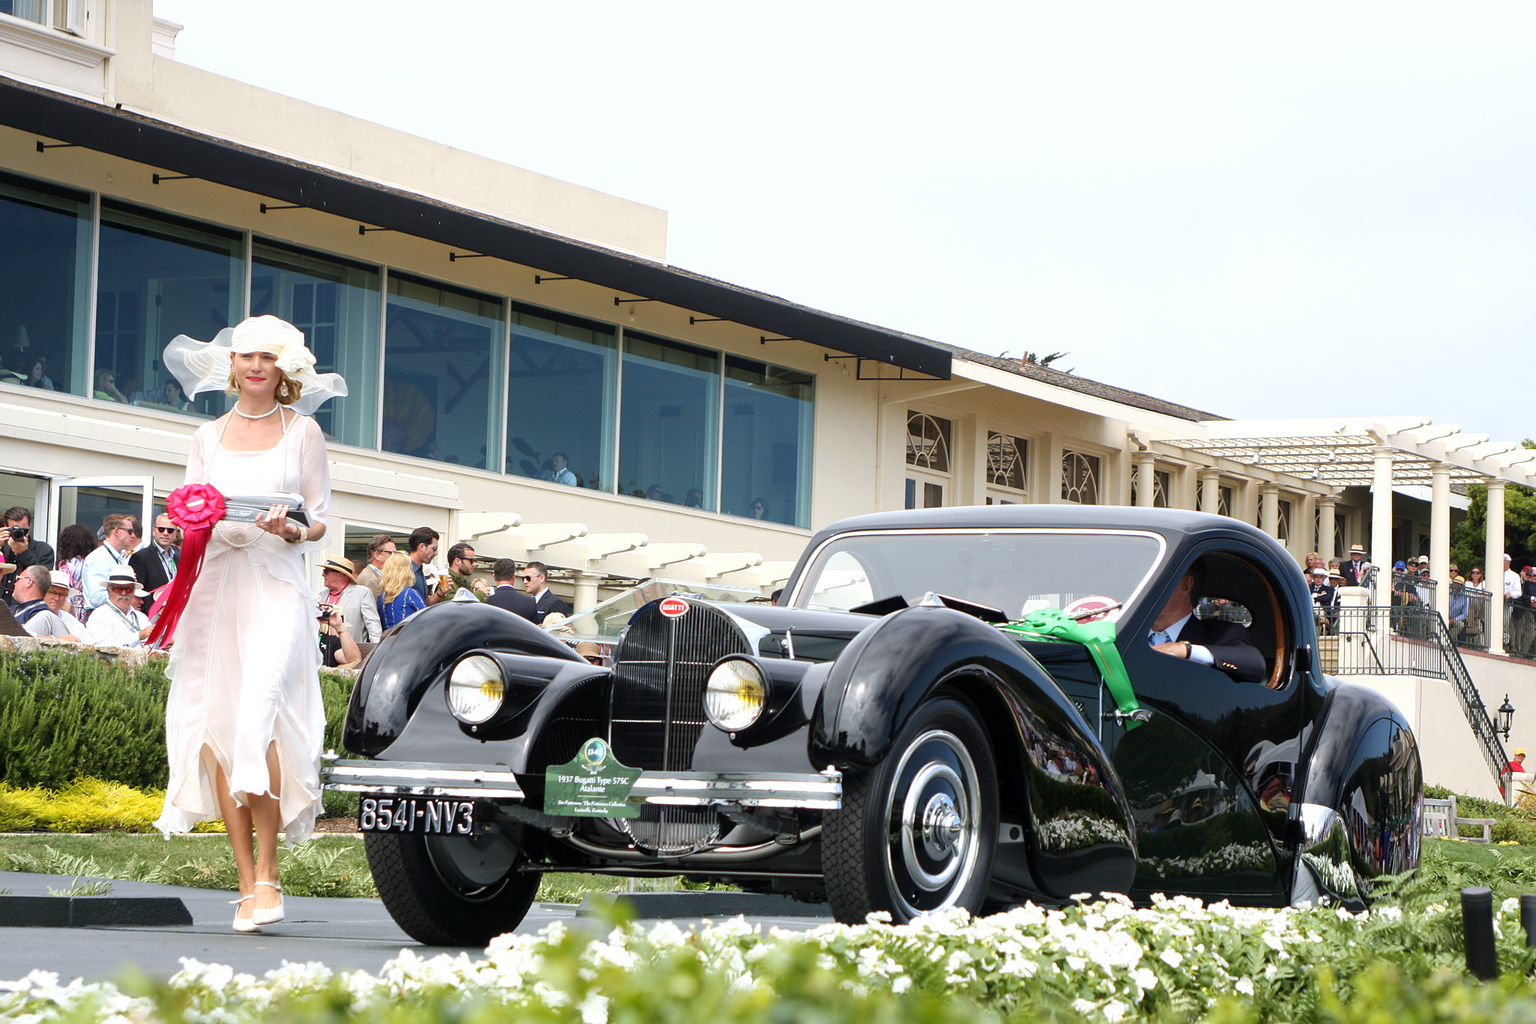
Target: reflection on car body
(903, 731)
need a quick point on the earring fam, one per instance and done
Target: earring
(282, 389)
(237, 386)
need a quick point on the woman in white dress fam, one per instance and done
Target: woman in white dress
(244, 719)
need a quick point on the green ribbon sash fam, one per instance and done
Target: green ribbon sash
(1054, 626)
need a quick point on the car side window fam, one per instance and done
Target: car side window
(1238, 590)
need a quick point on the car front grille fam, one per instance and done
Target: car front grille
(657, 712)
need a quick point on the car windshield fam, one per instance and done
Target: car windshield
(1016, 571)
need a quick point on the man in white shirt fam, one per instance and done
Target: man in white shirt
(57, 599)
(121, 537)
(117, 623)
(1511, 598)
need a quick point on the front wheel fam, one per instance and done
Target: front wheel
(450, 890)
(917, 833)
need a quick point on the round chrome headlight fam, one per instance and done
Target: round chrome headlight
(475, 689)
(735, 695)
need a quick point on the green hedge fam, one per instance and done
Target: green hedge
(67, 715)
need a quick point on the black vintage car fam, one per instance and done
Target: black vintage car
(887, 736)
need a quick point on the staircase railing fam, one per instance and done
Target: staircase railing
(1394, 640)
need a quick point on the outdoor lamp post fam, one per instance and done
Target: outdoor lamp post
(1506, 715)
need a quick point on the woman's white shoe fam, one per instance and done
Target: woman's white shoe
(245, 924)
(271, 915)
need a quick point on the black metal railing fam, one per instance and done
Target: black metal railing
(1397, 640)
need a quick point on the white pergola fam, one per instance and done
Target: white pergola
(1380, 454)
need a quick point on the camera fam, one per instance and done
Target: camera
(325, 612)
(18, 532)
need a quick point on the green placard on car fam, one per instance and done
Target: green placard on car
(592, 785)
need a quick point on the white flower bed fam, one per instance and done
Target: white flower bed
(1109, 959)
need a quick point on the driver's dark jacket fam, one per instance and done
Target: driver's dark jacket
(1229, 646)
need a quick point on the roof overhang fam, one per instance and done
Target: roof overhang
(1341, 452)
(159, 144)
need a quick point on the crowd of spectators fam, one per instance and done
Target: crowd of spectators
(99, 585)
(89, 590)
(1413, 593)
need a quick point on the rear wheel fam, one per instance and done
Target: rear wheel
(917, 834)
(450, 890)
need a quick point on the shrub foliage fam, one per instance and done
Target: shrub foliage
(67, 715)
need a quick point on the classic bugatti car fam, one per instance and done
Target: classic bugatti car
(950, 707)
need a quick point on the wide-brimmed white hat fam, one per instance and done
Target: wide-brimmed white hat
(60, 578)
(203, 366)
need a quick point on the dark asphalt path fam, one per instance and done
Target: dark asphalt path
(344, 934)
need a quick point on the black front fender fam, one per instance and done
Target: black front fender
(418, 651)
(1057, 781)
(891, 667)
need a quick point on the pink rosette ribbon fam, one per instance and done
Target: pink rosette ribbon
(196, 508)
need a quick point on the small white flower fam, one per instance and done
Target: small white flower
(1171, 957)
(1244, 986)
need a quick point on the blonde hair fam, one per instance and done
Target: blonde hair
(398, 575)
(295, 389)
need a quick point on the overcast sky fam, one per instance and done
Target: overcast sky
(1257, 210)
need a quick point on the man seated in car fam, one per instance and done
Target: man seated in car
(1222, 645)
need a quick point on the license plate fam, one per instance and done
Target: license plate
(437, 816)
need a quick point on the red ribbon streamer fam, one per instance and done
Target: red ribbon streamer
(196, 508)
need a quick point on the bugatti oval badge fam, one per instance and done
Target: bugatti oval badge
(674, 607)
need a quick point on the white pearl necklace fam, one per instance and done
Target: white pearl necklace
(260, 416)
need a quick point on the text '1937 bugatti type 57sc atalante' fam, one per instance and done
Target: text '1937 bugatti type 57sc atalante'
(949, 707)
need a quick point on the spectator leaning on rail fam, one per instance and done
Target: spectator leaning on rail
(1511, 598)
(1459, 607)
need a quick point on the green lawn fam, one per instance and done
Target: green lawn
(328, 865)
(334, 865)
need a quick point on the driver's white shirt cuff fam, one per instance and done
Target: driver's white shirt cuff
(1201, 654)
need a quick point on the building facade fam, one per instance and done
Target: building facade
(526, 370)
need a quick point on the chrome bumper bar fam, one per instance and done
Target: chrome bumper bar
(419, 778)
(809, 791)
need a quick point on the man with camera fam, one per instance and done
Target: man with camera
(18, 548)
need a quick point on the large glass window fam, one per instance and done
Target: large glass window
(159, 277)
(766, 469)
(562, 378)
(442, 350)
(336, 305)
(45, 246)
(670, 422)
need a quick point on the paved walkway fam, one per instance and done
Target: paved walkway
(346, 934)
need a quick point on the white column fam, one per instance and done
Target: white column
(1381, 524)
(1440, 537)
(586, 591)
(1210, 490)
(1146, 478)
(1269, 509)
(1326, 510)
(1493, 565)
